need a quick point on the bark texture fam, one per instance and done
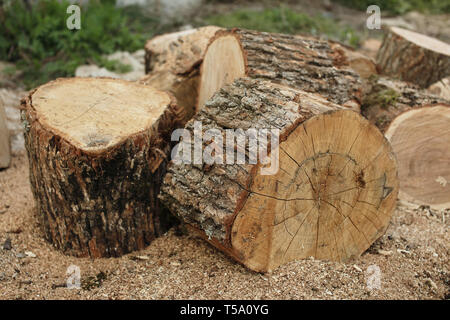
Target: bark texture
(384, 99)
(264, 221)
(102, 203)
(300, 62)
(413, 57)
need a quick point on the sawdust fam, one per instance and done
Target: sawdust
(410, 261)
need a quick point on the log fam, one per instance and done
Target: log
(384, 99)
(331, 194)
(97, 151)
(441, 88)
(417, 124)
(420, 139)
(300, 62)
(173, 62)
(413, 57)
(5, 149)
(358, 62)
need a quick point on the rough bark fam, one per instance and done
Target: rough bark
(384, 99)
(413, 57)
(300, 62)
(173, 61)
(5, 150)
(420, 138)
(331, 196)
(95, 197)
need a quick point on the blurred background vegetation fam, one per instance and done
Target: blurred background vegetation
(34, 36)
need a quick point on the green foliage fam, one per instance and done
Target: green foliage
(285, 20)
(401, 6)
(38, 41)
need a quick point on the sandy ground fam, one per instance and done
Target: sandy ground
(412, 259)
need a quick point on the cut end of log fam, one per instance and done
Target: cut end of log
(223, 63)
(98, 150)
(423, 41)
(89, 112)
(421, 140)
(331, 199)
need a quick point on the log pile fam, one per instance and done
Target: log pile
(291, 146)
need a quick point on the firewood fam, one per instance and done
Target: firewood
(413, 57)
(328, 191)
(97, 151)
(173, 64)
(299, 62)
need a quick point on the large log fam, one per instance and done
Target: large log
(417, 124)
(97, 151)
(331, 194)
(5, 150)
(173, 61)
(413, 57)
(300, 62)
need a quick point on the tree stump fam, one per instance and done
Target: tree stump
(416, 123)
(5, 149)
(173, 62)
(332, 193)
(413, 57)
(363, 65)
(300, 62)
(97, 151)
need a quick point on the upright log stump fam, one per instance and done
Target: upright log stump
(97, 150)
(413, 57)
(331, 196)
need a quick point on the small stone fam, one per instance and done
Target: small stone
(30, 254)
(20, 255)
(430, 283)
(175, 263)
(403, 251)
(384, 252)
(357, 268)
(143, 258)
(7, 244)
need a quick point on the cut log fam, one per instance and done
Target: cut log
(173, 62)
(384, 99)
(441, 88)
(5, 150)
(413, 57)
(300, 62)
(420, 139)
(332, 192)
(417, 124)
(97, 150)
(361, 64)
